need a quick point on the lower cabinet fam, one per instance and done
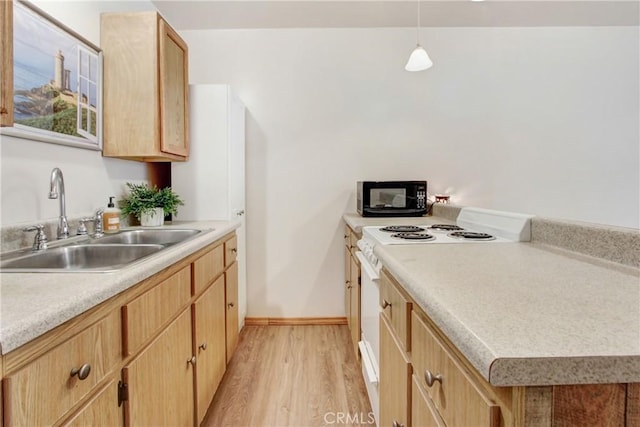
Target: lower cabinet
(395, 377)
(434, 385)
(152, 355)
(45, 389)
(231, 296)
(352, 287)
(160, 379)
(209, 340)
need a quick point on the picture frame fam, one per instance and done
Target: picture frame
(57, 82)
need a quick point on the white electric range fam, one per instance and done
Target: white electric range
(473, 226)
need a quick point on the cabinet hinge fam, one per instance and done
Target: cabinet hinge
(123, 392)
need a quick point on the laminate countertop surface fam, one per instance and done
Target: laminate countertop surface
(525, 313)
(35, 303)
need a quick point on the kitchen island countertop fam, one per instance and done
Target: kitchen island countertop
(35, 303)
(525, 313)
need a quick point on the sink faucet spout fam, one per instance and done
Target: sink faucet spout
(56, 191)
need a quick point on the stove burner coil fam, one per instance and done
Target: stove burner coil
(402, 229)
(470, 235)
(446, 227)
(414, 236)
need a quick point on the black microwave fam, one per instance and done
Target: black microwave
(392, 198)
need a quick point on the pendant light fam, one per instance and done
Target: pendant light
(419, 59)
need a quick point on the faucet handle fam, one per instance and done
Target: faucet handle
(82, 227)
(40, 240)
(97, 219)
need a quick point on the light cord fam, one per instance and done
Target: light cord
(418, 27)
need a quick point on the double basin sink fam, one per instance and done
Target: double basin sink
(108, 253)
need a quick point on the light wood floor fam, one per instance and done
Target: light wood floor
(293, 376)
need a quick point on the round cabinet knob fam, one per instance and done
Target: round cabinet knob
(397, 424)
(385, 304)
(82, 372)
(192, 360)
(203, 346)
(431, 379)
(231, 305)
(234, 250)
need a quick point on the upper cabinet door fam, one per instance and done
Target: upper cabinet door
(145, 88)
(174, 91)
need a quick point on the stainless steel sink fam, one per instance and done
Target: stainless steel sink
(79, 257)
(166, 236)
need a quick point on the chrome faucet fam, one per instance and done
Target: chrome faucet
(57, 192)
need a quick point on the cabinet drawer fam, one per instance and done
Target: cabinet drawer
(144, 316)
(423, 413)
(397, 309)
(347, 236)
(230, 251)
(454, 393)
(207, 268)
(44, 390)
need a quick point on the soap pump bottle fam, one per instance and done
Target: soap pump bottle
(111, 217)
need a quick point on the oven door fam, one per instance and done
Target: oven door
(370, 343)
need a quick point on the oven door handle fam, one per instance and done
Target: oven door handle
(366, 361)
(369, 270)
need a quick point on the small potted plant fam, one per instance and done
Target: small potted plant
(150, 204)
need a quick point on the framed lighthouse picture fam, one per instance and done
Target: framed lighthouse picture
(57, 81)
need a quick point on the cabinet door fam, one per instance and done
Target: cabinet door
(174, 91)
(423, 414)
(395, 374)
(354, 309)
(102, 410)
(209, 339)
(160, 379)
(231, 293)
(347, 285)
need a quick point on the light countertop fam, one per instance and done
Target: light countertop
(62, 296)
(524, 313)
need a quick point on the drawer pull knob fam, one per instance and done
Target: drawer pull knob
(397, 424)
(231, 305)
(203, 346)
(82, 372)
(431, 379)
(192, 360)
(385, 304)
(234, 250)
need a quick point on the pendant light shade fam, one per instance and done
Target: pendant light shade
(419, 59)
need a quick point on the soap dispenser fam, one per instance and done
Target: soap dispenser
(111, 217)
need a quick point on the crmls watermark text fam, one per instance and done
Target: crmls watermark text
(349, 418)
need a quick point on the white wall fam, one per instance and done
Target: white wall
(25, 166)
(533, 120)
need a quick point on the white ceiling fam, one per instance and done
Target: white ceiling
(217, 14)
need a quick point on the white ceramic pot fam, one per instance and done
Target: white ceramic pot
(154, 218)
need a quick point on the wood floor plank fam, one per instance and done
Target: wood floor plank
(293, 376)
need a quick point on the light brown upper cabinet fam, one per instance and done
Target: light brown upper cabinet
(145, 88)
